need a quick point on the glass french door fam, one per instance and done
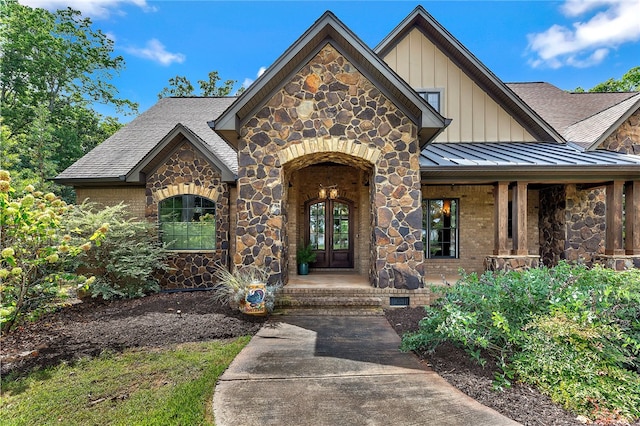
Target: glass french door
(330, 231)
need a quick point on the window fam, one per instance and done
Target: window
(440, 231)
(188, 222)
(433, 98)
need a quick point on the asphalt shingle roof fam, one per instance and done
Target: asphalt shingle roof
(564, 110)
(120, 153)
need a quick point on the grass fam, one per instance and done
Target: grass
(160, 386)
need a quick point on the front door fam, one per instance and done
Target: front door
(329, 231)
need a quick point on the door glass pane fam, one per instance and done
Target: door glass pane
(317, 225)
(340, 226)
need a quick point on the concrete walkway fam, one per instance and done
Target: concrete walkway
(338, 371)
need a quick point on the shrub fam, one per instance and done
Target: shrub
(36, 253)
(232, 287)
(125, 263)
(567, 330)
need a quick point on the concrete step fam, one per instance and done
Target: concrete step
(329, 311)
(327, 302)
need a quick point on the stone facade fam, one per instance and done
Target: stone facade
(186, 171)
(329, 99)
(572, 224)
(626, 138)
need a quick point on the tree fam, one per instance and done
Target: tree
(630, 82)
(53, 68)
(181, 86)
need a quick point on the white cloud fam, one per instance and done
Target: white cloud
(155, 51)
(249, 81)
(99, 9)
(587, 43)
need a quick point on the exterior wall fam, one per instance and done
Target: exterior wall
(133, 197)
(573, 224)
(626, 138)
(476, 116)
(187, 172)
(326, 106)
(350, 181)
(476, 226)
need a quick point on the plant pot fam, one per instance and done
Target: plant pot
(303, 269)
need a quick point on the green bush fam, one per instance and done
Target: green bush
(573, 332)
(125, 263)
(36, 253)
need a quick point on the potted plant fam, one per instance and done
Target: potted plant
(304, 256)
(246, 289)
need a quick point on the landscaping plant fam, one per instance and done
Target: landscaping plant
(35, 252)
(125, 263)
(232, 287)
(571, 331)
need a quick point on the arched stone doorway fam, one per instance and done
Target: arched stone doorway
(339, 229)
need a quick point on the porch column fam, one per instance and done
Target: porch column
(613, 240)
(519, 215)
(501, 218)
(632, 218)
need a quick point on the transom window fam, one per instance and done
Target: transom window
(440, 231)
(188, 222)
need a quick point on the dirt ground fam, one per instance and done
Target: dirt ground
(87, 329)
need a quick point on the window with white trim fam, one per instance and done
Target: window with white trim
(188, 222)
(440, 230)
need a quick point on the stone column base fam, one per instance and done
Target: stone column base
(511, 262)
(618, 262)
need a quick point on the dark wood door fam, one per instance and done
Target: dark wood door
(330, 232)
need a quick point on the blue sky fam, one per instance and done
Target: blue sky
(568, 43)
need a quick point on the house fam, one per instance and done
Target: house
(396, 162)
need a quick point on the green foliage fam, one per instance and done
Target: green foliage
(36, 254)
(232, 287)
(53, 67)
(180, 86)
(125, 262)
(571, 331)
(305, 254)
(630, 82)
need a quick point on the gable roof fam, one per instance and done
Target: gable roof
(128, 150)
(471, 66)
(329, 29)
(585, 119)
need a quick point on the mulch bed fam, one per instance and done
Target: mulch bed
(89, 328)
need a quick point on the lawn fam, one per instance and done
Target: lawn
(143, 386)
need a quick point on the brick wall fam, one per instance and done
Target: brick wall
(133, 197)
(476, 226)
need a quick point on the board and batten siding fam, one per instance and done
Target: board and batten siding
(476, 117)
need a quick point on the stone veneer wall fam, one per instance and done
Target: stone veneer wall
(329, 98)
(476, 227)
(188, 172)
(626, 138)
(572, 224)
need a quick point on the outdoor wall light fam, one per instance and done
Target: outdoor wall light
(332, 191)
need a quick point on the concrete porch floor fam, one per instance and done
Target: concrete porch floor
(350, 279)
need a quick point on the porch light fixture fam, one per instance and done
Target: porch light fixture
(332, 191)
